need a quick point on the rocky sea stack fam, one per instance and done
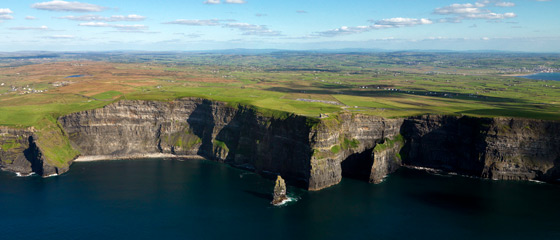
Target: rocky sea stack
(279, 195)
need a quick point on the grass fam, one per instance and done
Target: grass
(10, 144)
(54, 143)
(28, 110)
(335, 149)
(348, 144)
(388, 143)
(107, 95)
(221, 145)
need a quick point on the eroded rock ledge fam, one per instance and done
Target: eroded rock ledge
(309, 153)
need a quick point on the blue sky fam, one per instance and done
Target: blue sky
(102, 25)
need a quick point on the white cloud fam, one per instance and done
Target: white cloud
(5, 11)
(491, 16)
(245, 28)
(505, 4)
(212, 2)
(136, 27)
(190, 35)
(195, 22)
(120, 27)
(236, 1)
(4, 14)
(477, 10)
(63, 6)
(114, 18)
(402, 22)
(344, 30)
(95, 24)
(377, 24)
(6, 17)
(458, 9)
(30, 18)
(41, 28)
(61, 37)
(252, 29)
(226, 1)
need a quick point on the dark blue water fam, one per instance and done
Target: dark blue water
(75, 76)
(544, 76)
(196, 199)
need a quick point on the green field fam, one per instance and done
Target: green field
(383, 84)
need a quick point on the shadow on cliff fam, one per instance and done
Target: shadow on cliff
(553, 175)
(32, 155)
(202, 124)
(358, 165)
(451, 144)
(240, 138)
(267, 145)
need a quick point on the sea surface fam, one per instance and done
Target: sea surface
(544, 76)
(200, 199)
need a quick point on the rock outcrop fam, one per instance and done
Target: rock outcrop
(279, 196)
(16, 150)
(343, 146)
(19, 153)
(309, 153)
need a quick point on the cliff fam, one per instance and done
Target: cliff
(343, 146)
(496, 148)
(20, 153)
(239, 136)
(309, 153)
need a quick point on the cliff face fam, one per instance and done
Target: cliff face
(308, 156)
(308, 153)
(19, 153)
(497, 148)
(235, 135)
(15, 150)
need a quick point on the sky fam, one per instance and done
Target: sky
(193, 25)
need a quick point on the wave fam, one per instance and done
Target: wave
(288, 201)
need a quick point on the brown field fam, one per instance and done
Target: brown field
(98, 77)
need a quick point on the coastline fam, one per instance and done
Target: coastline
(519, 74)
(93, 158)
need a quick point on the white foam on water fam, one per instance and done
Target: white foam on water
(18, 174)
(287, 201)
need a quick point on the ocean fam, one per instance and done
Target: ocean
(200, 199)
(543, 76)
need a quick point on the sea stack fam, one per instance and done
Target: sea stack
(279, 191)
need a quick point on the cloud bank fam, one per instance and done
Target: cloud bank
(64, 6)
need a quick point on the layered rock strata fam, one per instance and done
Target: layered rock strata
(235, 135)
(307, 152)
